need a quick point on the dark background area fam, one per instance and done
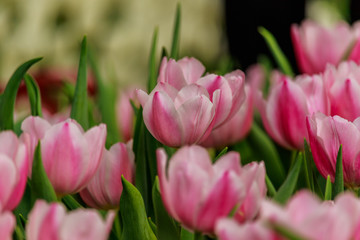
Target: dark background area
(243, 17)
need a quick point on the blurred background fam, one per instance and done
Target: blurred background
(120, 31)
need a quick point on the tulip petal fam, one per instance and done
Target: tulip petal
(192, 69)
(302, 60)
(43, 215)
(35, 126)
(349, 137)
(286, 111)
(196, 116)
(83, 225)
(189, 169)
(8, 179)
(174, 75)
(215, 83)
(22, 165)
(7, 225)
(221, 199)
(63, 148)
(236, 80)
(324, 152)
(162, 120)
(164, 183)
(345, 100)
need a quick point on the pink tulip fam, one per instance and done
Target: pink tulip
(288, 104)
(70, 156)
(343, 84)
(226, 92)
(236, 128)
(105, 188)
(304, 215)
(7, 225)
(253, 175)
(125, 114)
(176, 118)
(325, 136)
(316, 46)
(50, 221)
(196, 193)
(14, 165)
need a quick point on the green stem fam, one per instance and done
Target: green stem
(117, 226)
(198, 235)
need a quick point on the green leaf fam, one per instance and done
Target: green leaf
(260, 140)
(70, 202)
(166, 226)
(142, 175)
(164, 53)
(186, 235)
(308, 168)
(343, 7)
(176, 35)
(318, 189)
(223, 152)
(339, 175)
(153, 71)
(25, 205)
(279, 56)
(19, 234)
(40, 184)
(286, 232)
(144, 147)
(106, 101)
(7, 100)
(328, 189)
(132, 210)
(79, 108)
(270, 187)
(34, 95)
(153, 226)
(288, 187)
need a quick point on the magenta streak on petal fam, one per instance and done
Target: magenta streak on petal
(166, 120)
(290, 118)
(321, 158)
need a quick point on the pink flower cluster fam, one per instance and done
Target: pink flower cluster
(185, 107)
(197, 193)
(305, 216)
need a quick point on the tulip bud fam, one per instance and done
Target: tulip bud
(316, 46)
(50, 221)
(105, 188)
(70, 156)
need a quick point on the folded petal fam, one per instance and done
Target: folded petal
(163, 121)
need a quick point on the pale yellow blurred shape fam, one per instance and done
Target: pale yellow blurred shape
(54, 28)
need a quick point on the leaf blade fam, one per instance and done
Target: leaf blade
(79, 108)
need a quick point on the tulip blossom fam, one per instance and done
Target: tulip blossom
(184, 107)
(304, 215)
(125, 114)
(197, 193)
(50, 221)
(14, 165)
(288, 104)
(236, 128)
(316, 46)
(176, 118)
(343, 84)
(253, 176)
(226, 92)
(70, 156)
(326, 134)
(105, 188)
